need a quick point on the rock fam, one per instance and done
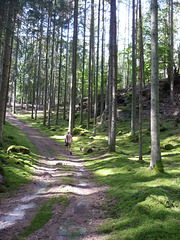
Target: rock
(18, 149)
(90, 150)
(79, 208)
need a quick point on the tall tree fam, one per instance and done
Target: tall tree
(91, 65)
(47, 62)
(84, 48)
(112, 80)
(34, 79)
(39, 62)
(155, 132)
(6, 62)
(59, 78)
(140, 81)
(15, 73)
(133, 110)
(74, 69)
(97, 72)
(172, 57)
(66, 74)
(52, 67)
(102, 62)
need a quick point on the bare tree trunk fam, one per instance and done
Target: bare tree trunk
(65, 84)
(91, 65)
(15, 72)
(74, 66)
(97, 73)
(133, 110)
(59, 82)
(155, 133)
(140, 82)
(34, 81)
(112, 80)
(102, 64)
(5, 72)
(172, 58)
(84, 48)
(51, 73)
(46, 79)
(39, 67)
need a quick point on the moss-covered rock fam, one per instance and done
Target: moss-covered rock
(168, 147)
(80, 131)
(18, 149)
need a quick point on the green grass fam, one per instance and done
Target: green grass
(141, 203)
(17, 168)
(44, 215)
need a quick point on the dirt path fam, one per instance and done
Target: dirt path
(83, 214)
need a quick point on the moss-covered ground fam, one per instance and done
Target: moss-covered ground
(141, 204)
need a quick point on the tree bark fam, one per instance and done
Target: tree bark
(97, 73)
(84, 48)
(133, 110)
(39, 66)
(172, 58)
(59, 78)
(74, 66)
(5, 72)
(112, 80)
(102, 63)
(46, 79)
(140, 82)
(91, 65)
(155, 133)
(65, 84)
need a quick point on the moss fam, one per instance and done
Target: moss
(159, 168)
(18, 149)
(168, 147)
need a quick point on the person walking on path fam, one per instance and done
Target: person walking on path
(68, 140)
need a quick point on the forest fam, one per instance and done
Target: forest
(108, 71)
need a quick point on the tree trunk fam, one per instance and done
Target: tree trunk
(112, 80)
(74, 66)
(52, 67)
(65, 84)
(91, 65)
(39, 67)
(84, 48)
(155, 133)
(59, 82)
(97, 73)
(102, 64)
(172, 58)
(5, 72)
(140, 82)
(15, 72)
(46, 79)
(34, 81)
(2, 21)
(133, 110)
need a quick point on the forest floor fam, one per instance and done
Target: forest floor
(79, 219)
